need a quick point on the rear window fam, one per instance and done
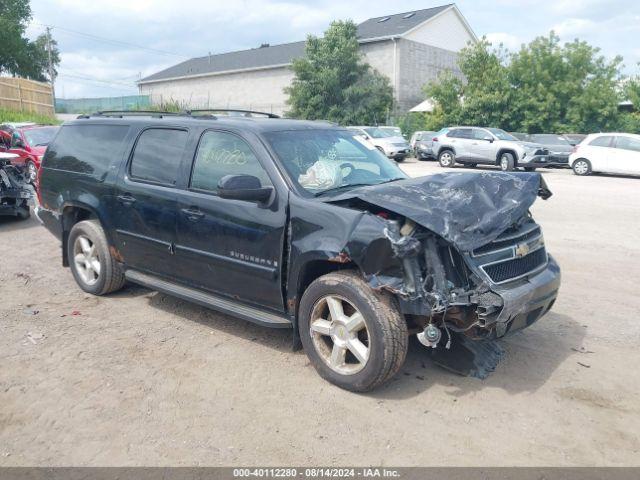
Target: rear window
(157, 155)
(87, 149)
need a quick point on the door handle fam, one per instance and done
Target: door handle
(192, 213)
(126, 198)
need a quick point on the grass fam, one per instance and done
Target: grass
(13, 116)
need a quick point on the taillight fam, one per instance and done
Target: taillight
(574, 149)
(435, 139)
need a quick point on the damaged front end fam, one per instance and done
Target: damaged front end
(466, 271)
(16, 192)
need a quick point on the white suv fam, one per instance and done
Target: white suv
(389, 142)
(489, 146)
(607, 153)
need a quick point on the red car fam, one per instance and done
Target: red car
(27, 140)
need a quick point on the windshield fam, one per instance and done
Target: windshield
(550, 140)
(395, 130)
(380, 133)
(502, 135)
(323, 160)
(40, 136)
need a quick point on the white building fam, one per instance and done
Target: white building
(410, 48)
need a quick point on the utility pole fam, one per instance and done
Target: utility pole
(51, 76)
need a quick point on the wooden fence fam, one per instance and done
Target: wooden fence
(25, 95)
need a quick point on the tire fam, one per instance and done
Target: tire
(385, 336)
(471, 165)
(529, 169)
(581, 167)
(507, 163)
(399, 159)
(109, 276)
(23, 212)
(447, 158)
(32, 172)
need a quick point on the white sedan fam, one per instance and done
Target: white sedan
(607, 153)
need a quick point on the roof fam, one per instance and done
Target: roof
(253, 124)
(283, 54)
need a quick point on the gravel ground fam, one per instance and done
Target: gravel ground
(140, 378)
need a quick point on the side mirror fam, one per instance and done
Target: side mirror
(243, 187)
(488, 139)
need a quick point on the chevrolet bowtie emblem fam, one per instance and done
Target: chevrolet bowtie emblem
(522, 249)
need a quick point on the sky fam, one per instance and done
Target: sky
(106, 45)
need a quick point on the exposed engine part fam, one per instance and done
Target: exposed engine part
(430, 336)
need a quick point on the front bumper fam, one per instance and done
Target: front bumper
(540, 161)
(529, 301)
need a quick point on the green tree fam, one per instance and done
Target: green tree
(544, 87)
(18, 55)
(332, 82)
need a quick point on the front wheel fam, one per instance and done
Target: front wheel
(355, 337)
(32, 171)
(507, 164)
(92, 265)
(581, 167)
(447, 159)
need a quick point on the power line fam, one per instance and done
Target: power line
(120, 86)
(113, 42)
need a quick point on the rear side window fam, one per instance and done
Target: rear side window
(87, 149)
(628, 143)
(220, 154)
(604, 141)
(157, 155)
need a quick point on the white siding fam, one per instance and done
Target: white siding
(446, 31)
(255, 90)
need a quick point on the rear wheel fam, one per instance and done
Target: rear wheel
(507, 164)
(92, 265)
(447, 159)
(354, 336)
(581, 167)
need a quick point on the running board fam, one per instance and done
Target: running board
(208, 300)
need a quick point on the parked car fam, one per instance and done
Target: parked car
(388, 142)
(397, 131)
(424, 147)
(301, 225)
(607, 153)
(559, 147)
(15, 191)
(574, 138)
(28, 141)
(489, 146)
(523, 137)
(415, 137)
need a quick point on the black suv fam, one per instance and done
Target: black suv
(302, 225)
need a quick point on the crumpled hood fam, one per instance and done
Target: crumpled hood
(467, 209)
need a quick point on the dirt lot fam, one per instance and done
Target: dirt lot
(140, 378)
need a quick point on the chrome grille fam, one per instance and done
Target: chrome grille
(518, 267)
(516, 253)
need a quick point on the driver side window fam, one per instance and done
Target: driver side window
(220, 154)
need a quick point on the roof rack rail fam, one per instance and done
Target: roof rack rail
(232, 110)
(132, 113)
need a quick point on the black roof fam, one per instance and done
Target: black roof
(285, 53)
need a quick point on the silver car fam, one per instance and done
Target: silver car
(488, 146)
(386, 140)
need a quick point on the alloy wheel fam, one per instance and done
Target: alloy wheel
(446, 159)
(340, 335)
(86, 260)
(32, 172)
(504, 163)
(581, 167)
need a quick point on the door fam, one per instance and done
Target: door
(230, 247)
(484, 151)
(626, 158)
(461, 140)
(145, 212)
